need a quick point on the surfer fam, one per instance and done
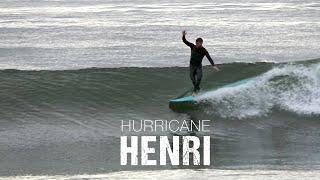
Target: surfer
(197, 54)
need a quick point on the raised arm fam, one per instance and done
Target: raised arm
(185, 40)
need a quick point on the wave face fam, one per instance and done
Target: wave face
(144, 92)
(289, 87)
(72, 118)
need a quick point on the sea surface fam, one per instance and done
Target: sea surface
(71, 70)
(73, 34)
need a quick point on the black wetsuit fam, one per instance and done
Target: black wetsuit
(197, 55)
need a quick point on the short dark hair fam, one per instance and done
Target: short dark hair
(199, 40)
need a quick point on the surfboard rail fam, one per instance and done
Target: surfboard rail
(186, 102)
(182, 103)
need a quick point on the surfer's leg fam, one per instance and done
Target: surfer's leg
(192, 76)
(198, 76)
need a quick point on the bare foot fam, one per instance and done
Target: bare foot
(194, 93)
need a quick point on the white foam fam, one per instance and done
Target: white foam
(188, 174)
(293, 88)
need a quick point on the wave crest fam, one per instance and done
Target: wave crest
(293, 88)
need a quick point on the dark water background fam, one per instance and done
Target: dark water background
(68, 122)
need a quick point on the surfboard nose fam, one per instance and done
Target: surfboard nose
(182, 104)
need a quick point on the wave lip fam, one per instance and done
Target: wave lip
(293, 88)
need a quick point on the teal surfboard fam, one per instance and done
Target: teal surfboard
(182, 103)
(187, 102)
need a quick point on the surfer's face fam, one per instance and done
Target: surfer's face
(198, 44)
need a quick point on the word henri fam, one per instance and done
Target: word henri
(165, 125)
(174, 152)
(180, 146)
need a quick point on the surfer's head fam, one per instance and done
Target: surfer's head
(199, 42)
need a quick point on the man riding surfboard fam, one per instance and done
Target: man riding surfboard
(197, 54)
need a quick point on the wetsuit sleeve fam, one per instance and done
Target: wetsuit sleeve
(209, 57)
(187, 42)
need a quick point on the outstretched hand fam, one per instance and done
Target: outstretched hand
(215, 67)
(184, 32)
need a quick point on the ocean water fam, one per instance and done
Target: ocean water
(68, 122)
(73, 34)
(187, 174)
(71, 70)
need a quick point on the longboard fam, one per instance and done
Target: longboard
(188, 102)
